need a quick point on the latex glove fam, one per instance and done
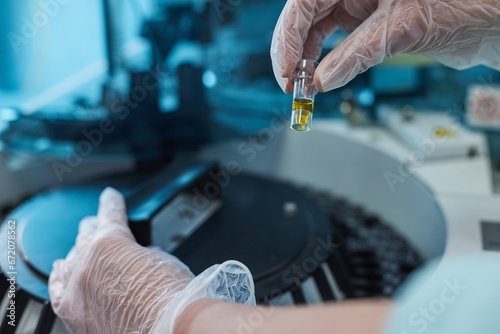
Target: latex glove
(456, 33)
(110, 284)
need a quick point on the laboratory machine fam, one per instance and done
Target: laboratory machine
(174, 103)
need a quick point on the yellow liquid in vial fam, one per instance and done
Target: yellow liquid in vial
(306, 107)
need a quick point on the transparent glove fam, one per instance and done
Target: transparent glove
(459, 34)
(110, 284)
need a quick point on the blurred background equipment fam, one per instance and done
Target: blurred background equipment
(403, 164)
(484, 106)
(483, 112)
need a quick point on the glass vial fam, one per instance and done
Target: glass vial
(303, 95)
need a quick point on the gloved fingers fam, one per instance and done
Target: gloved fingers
(318, 32)
(65, 297)
(345, 19)
(167, 257)
(86, 231)
(291, 33)
(358, 10)
(112, 214)
(279, 54)
(158, 251)
(407, 25)
(362, 49)
(284, 83)
(230, 281)
(173, 267)
(58, 282)
(62, 270)
(87, 225)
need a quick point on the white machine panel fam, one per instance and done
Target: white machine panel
(437, 134)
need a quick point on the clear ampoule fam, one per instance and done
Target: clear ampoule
(303, 95)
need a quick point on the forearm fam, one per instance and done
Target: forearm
(359, 317)
(467, 38)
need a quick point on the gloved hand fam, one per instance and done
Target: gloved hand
(110, 284)
(459, 34)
